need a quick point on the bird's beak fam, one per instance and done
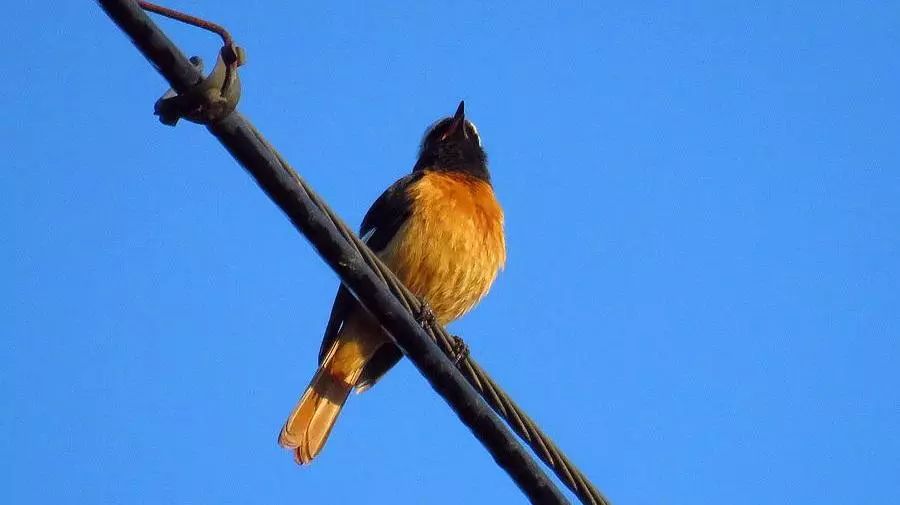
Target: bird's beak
(458, 119)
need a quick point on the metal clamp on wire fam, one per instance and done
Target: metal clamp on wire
(211, 99)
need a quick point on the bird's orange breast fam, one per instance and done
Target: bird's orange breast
(451, 248)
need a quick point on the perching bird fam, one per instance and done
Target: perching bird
(440, 230)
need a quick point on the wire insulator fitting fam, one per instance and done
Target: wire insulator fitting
(211, 99)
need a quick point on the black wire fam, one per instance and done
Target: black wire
(306, 212)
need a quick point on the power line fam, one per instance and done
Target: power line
(372, 283)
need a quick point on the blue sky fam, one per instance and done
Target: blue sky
(700, 303)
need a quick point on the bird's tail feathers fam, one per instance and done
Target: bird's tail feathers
(311, 421)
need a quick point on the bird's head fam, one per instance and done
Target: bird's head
(453, 145)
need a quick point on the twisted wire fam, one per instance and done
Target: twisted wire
(178, 71)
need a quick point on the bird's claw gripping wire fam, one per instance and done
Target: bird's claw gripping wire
(424, 315)
(460, 350)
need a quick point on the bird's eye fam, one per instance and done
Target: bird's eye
(434, 132)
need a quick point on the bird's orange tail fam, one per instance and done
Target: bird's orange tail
(308, 426)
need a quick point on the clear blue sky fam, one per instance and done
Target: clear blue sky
(701, 302)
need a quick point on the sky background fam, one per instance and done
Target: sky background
(701, 300)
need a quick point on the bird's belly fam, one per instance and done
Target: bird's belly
(451, 248)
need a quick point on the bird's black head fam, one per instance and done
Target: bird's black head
(453, 145)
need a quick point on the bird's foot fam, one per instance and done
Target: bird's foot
(425, 316)
(460, 350)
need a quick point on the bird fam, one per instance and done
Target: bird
(440, 231)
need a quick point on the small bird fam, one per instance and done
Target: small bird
(440, 230)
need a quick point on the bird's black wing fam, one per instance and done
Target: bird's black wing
(379, 226)
(388, 213)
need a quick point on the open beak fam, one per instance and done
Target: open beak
(458, 119)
